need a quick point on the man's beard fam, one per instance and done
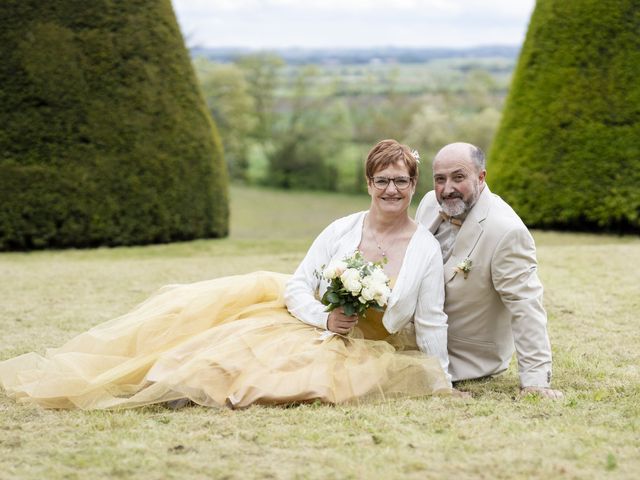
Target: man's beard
(454, 205)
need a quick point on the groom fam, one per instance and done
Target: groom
(493, 295)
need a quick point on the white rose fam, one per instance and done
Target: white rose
(382, 295)
(351, 280)
(379, 286)
(378, 276)
(367, 294)
(334, 269)
(376, 284)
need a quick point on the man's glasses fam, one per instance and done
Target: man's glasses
(401, 183)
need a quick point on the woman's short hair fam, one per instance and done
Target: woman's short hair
(389, 152)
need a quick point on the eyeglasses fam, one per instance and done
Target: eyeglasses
(381, 183)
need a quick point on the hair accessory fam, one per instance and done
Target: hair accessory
(416, 155)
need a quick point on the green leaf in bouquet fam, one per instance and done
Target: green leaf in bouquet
(331, 307)
(332, 297)
(324, 300)
(349, 309)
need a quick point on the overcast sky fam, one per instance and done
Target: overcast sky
(353, 23)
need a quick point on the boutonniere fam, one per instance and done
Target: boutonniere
(464, 267)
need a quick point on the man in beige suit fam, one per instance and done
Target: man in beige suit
(493, 296)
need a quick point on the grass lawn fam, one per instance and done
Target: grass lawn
(592, 294)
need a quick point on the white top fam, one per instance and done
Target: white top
(418, 293)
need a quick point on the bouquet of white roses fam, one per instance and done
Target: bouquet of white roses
(355, 285)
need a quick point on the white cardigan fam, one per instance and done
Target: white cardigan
(418, 293)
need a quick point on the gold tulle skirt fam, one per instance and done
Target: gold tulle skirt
(228, 341)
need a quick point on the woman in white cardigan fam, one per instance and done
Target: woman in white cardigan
(232, 341)
(411, 256)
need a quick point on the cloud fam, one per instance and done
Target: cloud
(226, 5)
(500, 7)
(309, 23)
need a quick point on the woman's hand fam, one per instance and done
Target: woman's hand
(338, 322)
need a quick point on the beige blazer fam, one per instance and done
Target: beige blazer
(499, 305)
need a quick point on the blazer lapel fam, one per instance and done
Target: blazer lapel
(469, 234)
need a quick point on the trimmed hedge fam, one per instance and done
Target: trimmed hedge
(104, 136)
(567, 153)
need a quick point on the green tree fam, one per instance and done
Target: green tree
(106, 139)
(262, 73)
(308, 137)
(480, 88)
(233, 109)
(381, 110)
(446, 119)
(567, 154)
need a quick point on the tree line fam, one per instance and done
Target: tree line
(310, 126)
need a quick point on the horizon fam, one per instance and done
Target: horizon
(359, 48)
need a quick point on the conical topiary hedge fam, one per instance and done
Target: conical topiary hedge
(567, 153)
(104, 136)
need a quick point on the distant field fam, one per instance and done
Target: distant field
(408, 78)
(592, 293)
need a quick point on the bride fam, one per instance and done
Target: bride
(265, 338)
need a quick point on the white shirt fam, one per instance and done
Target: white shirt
(418, 293)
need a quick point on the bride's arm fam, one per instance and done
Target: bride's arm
(429, 319)
(300, 292)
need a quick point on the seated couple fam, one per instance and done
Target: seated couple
(464, 293)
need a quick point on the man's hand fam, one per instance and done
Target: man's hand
(338, 322)
(543, 392)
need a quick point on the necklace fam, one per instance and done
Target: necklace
(378, 244)
(380, 247)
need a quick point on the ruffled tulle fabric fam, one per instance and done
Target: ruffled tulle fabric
(223, 342)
